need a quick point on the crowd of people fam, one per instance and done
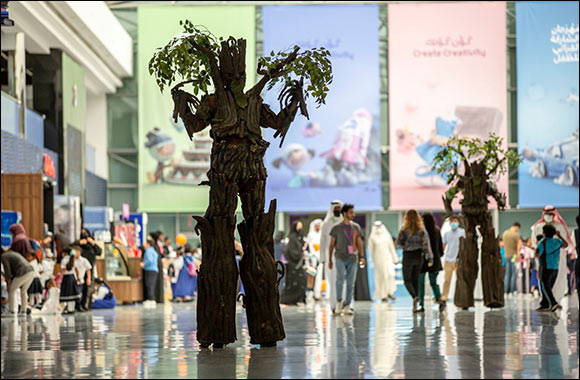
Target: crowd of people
(324, 263)
(53, 275)
(58, 276)
(544, 264)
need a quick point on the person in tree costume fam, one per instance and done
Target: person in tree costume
(473, 167)
(236, 118)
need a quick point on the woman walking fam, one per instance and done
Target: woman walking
(295, 289)
(413, 239)
(433, 271)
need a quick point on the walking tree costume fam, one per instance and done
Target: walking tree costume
(472, 167)
(237, 168)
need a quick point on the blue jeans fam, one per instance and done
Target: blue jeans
(511, 275)
(345, 270)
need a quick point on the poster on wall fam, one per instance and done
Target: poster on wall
(547, 56)
(446, 78)
(171, 166)
(336, 153)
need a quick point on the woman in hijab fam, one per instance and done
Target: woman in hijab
(295, 288)
(20, 242)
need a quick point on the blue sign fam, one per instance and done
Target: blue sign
(547, 70)
(8, 219)
(335, 154)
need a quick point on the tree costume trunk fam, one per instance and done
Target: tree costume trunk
(237, 168)
(476, 186)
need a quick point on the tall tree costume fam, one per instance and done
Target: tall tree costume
(237, 168)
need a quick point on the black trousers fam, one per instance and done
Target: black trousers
(547, 280)
(150, 283)
(87, 296)
(412, 264)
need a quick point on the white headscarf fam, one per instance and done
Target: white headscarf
(329, 221)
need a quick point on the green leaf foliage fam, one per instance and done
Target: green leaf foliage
(185, 56)
(312, 65)
(465, 151)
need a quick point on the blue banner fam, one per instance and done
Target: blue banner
(335, 154)
(547, 72)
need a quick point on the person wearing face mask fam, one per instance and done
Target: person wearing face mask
(295, 289)
(333, 217)
(451, 248)
(550, 215)
(512, 244)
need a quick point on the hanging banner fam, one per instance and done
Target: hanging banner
(171, 166)
(335, 154)
(547, 56)
(447, 77)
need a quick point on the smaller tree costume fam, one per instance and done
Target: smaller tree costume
(472, 166)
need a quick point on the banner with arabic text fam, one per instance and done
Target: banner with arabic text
(447, 77)
(547, 71)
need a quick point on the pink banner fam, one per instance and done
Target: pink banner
(447, 77)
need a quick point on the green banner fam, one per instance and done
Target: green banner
(170, 165)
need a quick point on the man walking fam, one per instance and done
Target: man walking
(346, 246)
(512, 243)
(451, 248)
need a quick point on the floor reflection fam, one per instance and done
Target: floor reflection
(380, 341)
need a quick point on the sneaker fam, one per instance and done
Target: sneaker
(348, 310)
(442, 305)
(338, 308)
(419, 310)
(555, 307)
(542, 308)
(392, 297)
(385, 300)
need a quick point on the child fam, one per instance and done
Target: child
(69, 289)
(103, 297)
(35, 289)
(4, 295)
(525, 259)
(549, 251)
(52, 304)
(150, 273)
(535, 274)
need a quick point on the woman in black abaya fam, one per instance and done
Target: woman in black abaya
(295, 288)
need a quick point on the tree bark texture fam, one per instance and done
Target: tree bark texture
(474, 206)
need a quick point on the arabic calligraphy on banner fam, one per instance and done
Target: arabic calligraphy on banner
(460, 46)
(566, 40)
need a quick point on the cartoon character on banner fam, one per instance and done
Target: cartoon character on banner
(312, 130)
(295, 157)
(558, 162)
(347, 160)
(161, 147)
(465, 121)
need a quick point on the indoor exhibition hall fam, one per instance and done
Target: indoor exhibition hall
(290, 189)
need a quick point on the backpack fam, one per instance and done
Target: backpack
(191, 267)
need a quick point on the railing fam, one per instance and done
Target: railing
(10, 117)
(34, 128)
(34, 121)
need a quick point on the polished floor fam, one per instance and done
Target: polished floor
(381, 340)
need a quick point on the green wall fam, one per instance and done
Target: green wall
(74, 113)
(155, 108)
